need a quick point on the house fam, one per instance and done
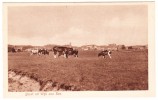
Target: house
(137, 47)
(112, 47)
(89, 47)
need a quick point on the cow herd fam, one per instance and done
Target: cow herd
(39, 51)
(65, 51)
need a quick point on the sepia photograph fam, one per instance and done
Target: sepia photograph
(77, 47)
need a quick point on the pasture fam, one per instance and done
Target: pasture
(127, 70)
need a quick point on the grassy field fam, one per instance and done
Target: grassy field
(125, 71)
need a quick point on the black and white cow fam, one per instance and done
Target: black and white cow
(39, 52)
(104, 53)
(66, 51)
(43, 51)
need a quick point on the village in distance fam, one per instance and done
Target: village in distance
(115, 47)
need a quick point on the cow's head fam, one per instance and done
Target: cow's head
(110, 52)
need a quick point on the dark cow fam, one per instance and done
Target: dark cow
(104, 53)
(13, 50)
(71, 51)
(43, 51)
(66, 51)
(19, 50)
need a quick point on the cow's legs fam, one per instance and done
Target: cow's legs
(103, 56)
(55, 54)
(59, 54)
(65, 55)
(38, 53)
(76, 55)
(109, 56)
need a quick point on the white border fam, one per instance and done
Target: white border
(1, 56)
(77, 0)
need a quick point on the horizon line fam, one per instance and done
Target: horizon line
(76, 45)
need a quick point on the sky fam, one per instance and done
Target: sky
(78, 25)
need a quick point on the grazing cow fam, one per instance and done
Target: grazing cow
(35, 51)
(104, 53)
(66, 51)
(43, 51)
(71, 51)
(13, 50)
(19, 50)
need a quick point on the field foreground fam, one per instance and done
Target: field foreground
(127, 70)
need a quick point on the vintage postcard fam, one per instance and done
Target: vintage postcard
(79, 49)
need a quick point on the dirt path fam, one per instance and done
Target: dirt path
(23, 83)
